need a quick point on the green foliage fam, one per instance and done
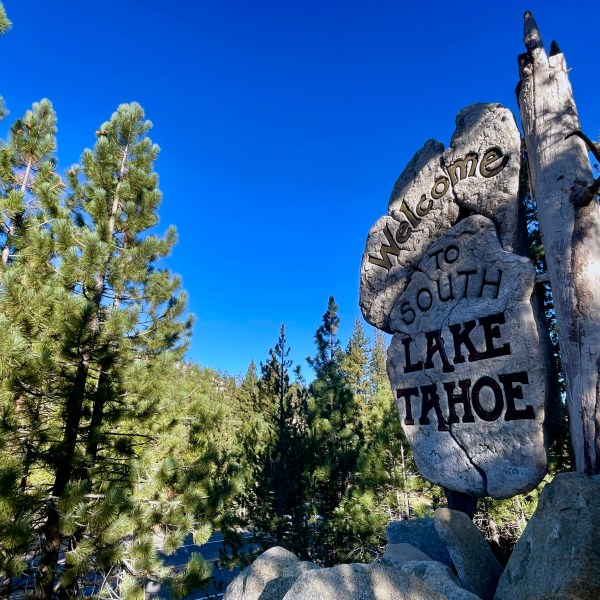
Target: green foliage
(503, 521)
(326, 466)
(334, 431)
(355, 364)
(112, 442)
(197, 574)
(356, 532)
(5, 23)
(275, 443)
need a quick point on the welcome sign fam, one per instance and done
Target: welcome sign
(468, 362)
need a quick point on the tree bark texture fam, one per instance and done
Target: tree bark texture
(569, 219)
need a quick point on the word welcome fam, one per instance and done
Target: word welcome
(486, 397)
(458, 170)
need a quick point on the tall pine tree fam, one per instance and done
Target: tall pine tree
(277, 442)
(355, 364)
(334, 432)
(94, 334)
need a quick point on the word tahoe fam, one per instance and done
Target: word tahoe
(486, 397)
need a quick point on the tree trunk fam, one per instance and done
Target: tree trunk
(569, 219)
(97, 418)
(405, 482)
(46, 571)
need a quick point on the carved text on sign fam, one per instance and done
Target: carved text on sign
(486, 397)
(443, 271)
(461, 341)
(464, 283)
(466, 365)
(492, 163)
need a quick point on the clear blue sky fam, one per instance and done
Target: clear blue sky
(282, 125)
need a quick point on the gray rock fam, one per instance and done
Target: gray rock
(477, 568)
(470, 361)
(470, 375)
(360, 582)
(479, 129)
(396, 555)
(438, 577)
(269, 577)
(558, 555)
(385, 275)
(421, 534)
(479, 172)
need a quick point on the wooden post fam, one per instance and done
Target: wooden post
(569, 218)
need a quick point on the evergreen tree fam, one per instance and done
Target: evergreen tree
(378, 364)
(277, 443)
(187, 473)
(30, 187)
(355, 364)
(122, 312)
(334, 433)
(246, 396)
(386, 483)
(29, 199)
(5, 23)
(94, 335)
(358, 525)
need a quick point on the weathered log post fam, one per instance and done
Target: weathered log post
(569, 218)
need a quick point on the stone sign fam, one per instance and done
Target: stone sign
(467, 366)
(479, 172)
(468, 363)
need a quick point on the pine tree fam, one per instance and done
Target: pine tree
(377, 364)
(386, 485)
(30, 186)
(334, 432)
(276, 442)
(5, 23)
(94, 337)
(355, 363)
(29, 200)
(120, 310)
(246, 396)
(249, 429)
(387, 465)
(187, 474)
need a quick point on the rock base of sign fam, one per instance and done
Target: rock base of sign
(421, 534)
(558, 555)
(397, 554)
(450, 537)
(269, 577)
(477, 568)
(438, 577)
(557, 558)
(367, 582)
